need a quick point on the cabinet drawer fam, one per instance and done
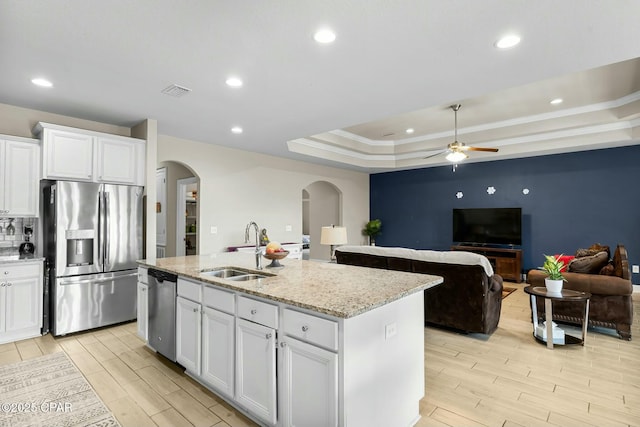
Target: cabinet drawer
(189, 290)
(219, 299)
(312, 329)
(13, 271)
(143, 277)
(258, 312)
(293, 249)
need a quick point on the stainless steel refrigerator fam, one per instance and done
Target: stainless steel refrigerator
(92, 239)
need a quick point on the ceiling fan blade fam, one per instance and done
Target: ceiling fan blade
(436, 154)
(491, 150)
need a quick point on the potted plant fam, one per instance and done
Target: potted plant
(372, 229)
(553, 267)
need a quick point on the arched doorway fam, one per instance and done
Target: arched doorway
(321, 206)
(182, 209)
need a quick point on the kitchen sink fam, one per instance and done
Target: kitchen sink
(233, 274)
(247, 277)
(224, 273)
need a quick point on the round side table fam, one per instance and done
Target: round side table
(564, 295)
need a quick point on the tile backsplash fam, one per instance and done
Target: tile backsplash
(12, 233)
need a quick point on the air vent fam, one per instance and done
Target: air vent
(176, 90)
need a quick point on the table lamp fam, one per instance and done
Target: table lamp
(332, 235)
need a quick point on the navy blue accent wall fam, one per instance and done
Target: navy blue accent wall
(574, 200)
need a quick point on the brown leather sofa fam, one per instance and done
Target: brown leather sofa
(468, 300)
(611, 304)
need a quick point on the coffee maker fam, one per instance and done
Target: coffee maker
(27, 248)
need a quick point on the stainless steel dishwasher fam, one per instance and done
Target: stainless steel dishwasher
(162, 313)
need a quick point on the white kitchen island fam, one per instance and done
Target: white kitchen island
(312, 344)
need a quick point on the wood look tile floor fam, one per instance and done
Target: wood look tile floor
(139, 387)
(506, 379)
(510, 379)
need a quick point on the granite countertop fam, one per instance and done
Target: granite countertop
(335, 289)
(6, 259)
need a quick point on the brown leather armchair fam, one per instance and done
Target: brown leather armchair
(611, 304)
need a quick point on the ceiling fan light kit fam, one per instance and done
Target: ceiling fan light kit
(456, 150)
(456, 156)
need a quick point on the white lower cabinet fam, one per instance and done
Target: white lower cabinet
(256, 369)
(143, 311)
(188, 334)
(143, 303)
(308, 385)
(20, 301)
(218, 350)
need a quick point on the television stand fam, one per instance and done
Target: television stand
(505, 262)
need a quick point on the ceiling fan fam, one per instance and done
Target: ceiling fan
(457, 150)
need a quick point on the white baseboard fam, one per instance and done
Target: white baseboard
(636, 289)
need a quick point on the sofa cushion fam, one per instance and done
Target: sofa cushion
(589, 264)
(444, 257)
(593, 283)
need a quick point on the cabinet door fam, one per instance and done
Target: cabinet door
(256, 369)
(68, 155)
(309, 387)
(3, 306)
(23, 304)
(218, 351)
(188, 327)
(117, 160)
(21, 177)
(143, 311)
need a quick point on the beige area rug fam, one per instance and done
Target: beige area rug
(506, 291)
(49, 391)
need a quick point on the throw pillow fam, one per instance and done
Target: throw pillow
(566, 259)
(593, 250)
(589, 264)
(608, 270)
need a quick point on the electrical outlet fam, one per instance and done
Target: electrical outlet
(288, 228)
(214, 230)
(635, 269)
(390, 330)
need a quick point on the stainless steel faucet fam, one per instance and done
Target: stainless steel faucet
(246, 240)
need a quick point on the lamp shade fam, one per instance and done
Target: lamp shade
(332, 235)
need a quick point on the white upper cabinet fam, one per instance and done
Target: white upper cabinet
(82, 155)
(119, 161)
(19, 176)
(67, 155)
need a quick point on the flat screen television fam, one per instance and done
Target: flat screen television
(488, 226)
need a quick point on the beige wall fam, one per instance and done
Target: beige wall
(237, 187)
(19, 122)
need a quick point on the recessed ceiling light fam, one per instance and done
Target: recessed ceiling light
(410, 130)
(234, 82)
(556, 101)
(41, 82)
(508, 41)
(324, 36)
(236, 129)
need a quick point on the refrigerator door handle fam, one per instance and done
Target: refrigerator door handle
(89, 281)
(100, 236)
(107, 230)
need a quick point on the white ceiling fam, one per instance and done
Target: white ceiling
(394, 64)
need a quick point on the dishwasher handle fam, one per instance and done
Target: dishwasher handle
(161, 276)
